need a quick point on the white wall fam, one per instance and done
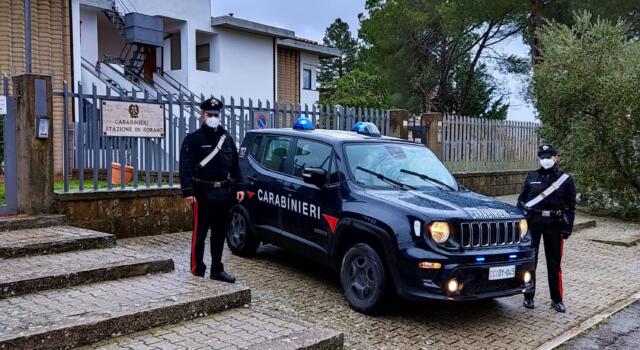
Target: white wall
(245, 67)
(309, 97)
(89, 33)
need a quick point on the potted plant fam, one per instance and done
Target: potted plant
(128, 170)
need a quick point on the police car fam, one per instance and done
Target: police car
(384, 212)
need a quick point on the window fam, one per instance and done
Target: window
(275, 153)
(310, 154)
(203, 56)
(255, 146)
(176, 54)
(306, 79)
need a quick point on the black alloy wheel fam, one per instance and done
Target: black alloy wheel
(363, 278)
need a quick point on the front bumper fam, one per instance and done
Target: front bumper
(413, 283)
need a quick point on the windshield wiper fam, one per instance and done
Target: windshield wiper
(427, 178)
(386, 179)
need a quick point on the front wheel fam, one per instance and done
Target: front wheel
(363, 278)
(240, 240)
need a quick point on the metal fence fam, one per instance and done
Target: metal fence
(480, 145)
(88, 155)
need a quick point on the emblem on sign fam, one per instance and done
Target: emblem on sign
(134, 111)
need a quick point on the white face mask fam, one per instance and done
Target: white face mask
(547, 163)
(213, 122)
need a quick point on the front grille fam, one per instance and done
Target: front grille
(483, 234)
(481, 287)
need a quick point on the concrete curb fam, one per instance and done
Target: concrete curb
(98, 273)
(594, 320)
(308, 339)
(91, 327)
(584, 225)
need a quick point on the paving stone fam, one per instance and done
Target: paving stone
(31, 274)
(85, 314)
(221, 331)
(22, 222)
(596, 276)
(56, 239)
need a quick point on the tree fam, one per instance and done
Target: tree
(339, 36)
(418, 45)
(359, 89)
(586, 90)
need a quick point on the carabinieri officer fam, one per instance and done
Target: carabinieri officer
(549, 197)
(209, 178)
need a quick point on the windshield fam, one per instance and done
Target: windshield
(415, 166)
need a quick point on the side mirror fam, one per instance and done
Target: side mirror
(314, 176)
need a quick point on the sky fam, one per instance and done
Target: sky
(310, 18)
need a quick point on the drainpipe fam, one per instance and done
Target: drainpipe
(275, 70)
(27, 35)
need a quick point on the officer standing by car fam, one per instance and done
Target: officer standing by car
(209, 178)
(549, 197)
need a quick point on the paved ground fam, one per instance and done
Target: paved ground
(622, 331)
(596, 276)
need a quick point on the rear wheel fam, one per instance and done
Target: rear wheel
(363, 278)
(240, 240)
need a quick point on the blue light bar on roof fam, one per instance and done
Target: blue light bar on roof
(303, 124)
(366, 128)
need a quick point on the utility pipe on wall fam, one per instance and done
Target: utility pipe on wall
(27, 35)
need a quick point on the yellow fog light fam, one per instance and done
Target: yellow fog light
(526, 277)
(452, 285)
(430, 265)
(524, 227)
(439, 231)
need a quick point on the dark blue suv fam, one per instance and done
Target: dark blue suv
(384, 212)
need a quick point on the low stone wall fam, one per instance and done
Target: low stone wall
(493, 183)
(128, 213)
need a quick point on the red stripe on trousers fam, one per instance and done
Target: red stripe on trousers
(194, 237)
(560, 268)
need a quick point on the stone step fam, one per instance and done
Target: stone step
(22, 222)
(37, 273)
(244, 328)
(56, 239)
(582, 224)
(83, 315)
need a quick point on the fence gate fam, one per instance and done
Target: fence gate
(418, 131)
(8, 191)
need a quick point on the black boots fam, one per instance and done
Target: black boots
(223, 276)
(528, 303)
(559, 307)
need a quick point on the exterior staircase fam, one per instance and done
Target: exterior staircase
(63, 287)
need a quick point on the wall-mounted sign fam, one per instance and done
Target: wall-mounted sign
(261, 120)
(3, 104)
(132, 119)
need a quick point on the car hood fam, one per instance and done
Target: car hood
(446, 205)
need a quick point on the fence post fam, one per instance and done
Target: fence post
(397, 119)
(35, 183)
(433, 122)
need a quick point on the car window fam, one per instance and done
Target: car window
(310, 154)
(255, 146)
(275, 153)
(396, 162)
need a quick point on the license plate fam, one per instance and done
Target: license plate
(502, 272)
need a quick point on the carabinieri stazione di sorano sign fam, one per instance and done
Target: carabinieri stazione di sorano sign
(132, 119)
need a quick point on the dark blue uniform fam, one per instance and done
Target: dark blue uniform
(214, 187)
(551, 218)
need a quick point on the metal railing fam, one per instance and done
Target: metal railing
(89, 155)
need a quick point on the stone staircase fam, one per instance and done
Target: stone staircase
(64, 287)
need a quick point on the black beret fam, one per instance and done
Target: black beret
(212, 105)
(547, 151)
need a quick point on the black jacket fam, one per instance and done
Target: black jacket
(564, 198)
(224, 166)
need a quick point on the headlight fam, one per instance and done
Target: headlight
(439, 231)
(524, 227)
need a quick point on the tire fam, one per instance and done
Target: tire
(240, 240)
(363, 278)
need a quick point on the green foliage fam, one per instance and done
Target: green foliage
(430, 52)
(339, 36)
(358, 89)
(587, 95)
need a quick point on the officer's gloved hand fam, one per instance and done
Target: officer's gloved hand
(565, 233)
